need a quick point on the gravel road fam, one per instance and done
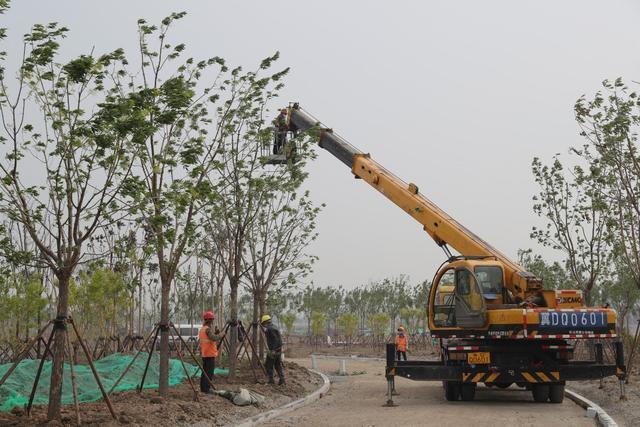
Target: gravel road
(356, 400)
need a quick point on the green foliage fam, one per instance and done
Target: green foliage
(288, 320)
(347, 324)
(22, 299)
(609, 123)
(574, 211)
(378, 323)
(318, 323)
(103, 288)
(553, 275)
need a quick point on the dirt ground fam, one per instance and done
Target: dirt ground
(180, 409)
(356, 400)
(625, 412)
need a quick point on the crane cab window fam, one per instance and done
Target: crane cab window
(491, 280)
(467, 289)
(444, 304)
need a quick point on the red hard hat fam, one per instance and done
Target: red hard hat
(208, 315)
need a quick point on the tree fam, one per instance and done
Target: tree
(278, 237)
(104, 288)
(174, 145)
(553, 275)
(609, 122)
(575, 213)
(318, 324)
(242, 184)
(378, 323)
(82, 159)
(288, 320)
(347, 324)
(621, 292)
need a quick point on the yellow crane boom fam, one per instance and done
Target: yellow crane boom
(445, 230)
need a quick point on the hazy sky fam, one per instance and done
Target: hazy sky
(457, 97)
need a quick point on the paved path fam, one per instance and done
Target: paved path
(357, 400)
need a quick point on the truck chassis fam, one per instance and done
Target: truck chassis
(541, 366)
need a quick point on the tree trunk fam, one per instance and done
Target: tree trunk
(220, 295)
(55, 389)
(233, 329)
(263, 309)
(140, 308)
(164, 338)
(256, 317)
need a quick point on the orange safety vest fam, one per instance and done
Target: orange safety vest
(208, 347)
(401, 343)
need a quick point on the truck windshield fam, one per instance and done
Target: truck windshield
(490, 278)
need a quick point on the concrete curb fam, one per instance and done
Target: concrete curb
(602, 418)
(291, 406)
(349, 357)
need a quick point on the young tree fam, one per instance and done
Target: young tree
(277, 240)
(553, 275)
(318, 324)
(82, 163)
(378, 323)
(347, 324)
(175, 143)
(288, 320)
(575, 213)
(621, 292)
(610, 123)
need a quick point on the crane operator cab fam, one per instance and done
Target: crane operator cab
(463, 290)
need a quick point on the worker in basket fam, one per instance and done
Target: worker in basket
(280, 133)
(274, 353)
(208, 338)
(401, 344)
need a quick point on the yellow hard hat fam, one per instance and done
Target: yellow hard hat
(265, 318)
(401, 328)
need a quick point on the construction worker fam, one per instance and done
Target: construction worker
(208, 350)
(401, 344)
(280, 124)
(274, 353)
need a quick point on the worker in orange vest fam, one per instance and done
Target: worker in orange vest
(208, 350)
(401, 344)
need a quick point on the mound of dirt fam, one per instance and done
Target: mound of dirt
(179, 408)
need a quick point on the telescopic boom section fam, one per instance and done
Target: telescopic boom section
(445, 230)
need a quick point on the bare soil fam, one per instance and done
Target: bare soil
(180, 409)
(624, 412)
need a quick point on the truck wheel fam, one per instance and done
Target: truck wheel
(503, 385)
(451, 390)
(540, 392)
(556, 393)
(467, 392)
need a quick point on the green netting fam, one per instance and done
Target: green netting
(16, 390)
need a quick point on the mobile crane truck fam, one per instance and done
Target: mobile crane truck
(495, 322)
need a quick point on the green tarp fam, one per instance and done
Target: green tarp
(16, 390)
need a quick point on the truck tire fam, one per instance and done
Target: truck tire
(504, 385)
(540, 392)
(451, 390)
(467, 392)
(556, 393)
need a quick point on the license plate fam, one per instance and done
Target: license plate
(479, 358)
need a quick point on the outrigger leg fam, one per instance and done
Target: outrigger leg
(389, 374)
